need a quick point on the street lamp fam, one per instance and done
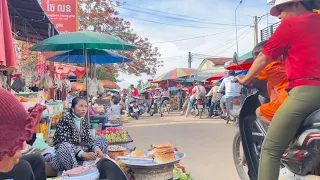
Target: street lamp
(235, 18)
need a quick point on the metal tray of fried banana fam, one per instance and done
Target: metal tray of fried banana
(134, 162)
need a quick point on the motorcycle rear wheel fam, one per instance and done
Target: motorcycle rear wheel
(236, 148)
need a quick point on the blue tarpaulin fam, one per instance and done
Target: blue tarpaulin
(244, 72)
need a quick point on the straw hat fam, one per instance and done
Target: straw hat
(274, 10)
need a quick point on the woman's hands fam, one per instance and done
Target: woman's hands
(98, 153)
(89, 156)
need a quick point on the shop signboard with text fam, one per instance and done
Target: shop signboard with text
(62, 13)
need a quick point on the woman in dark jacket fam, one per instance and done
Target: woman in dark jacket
(73, 141)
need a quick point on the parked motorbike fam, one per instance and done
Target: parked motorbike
(300, 161)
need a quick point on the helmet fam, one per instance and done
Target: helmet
(231, 73)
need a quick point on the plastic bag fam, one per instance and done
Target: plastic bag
(47, 82)
(100, 87)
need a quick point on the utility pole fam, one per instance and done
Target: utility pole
(189, 60)
(256, 30)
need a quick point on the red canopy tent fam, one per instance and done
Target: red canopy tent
(7, 55)
(217, 76)
(244, 65)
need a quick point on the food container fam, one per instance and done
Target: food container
(114, 154)
(115, 150)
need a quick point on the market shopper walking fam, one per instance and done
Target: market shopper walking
(297, 38)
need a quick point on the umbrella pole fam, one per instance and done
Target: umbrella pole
(87, 86)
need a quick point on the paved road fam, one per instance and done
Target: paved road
(207, 143)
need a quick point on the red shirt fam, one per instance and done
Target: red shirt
(135, 92)
(298, 39)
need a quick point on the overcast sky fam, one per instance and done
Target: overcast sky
(211, 20)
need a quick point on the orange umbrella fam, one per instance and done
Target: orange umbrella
(77, 86)
(7, 55)
(110, 84)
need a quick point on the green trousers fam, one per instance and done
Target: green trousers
(301, 102)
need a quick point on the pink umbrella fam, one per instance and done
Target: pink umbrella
(7, 55)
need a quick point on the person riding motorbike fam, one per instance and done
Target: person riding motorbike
(198, 92)
(232, 89)
(165, 95)
(277, 82)
(215, 96)
(134, 91)
(297, 38)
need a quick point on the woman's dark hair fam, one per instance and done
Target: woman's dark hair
(310, 5)
(74, 102)
(258, 48)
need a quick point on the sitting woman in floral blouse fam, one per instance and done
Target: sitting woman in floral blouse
(73, 141)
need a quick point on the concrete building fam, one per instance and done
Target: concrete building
(211, 66)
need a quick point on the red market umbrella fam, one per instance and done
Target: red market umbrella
(7, 55)
(217, 76)
(244, 65)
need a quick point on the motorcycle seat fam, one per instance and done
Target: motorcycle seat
(313, 119)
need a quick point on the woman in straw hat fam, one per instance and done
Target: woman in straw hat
(298, 39)
(16, 127)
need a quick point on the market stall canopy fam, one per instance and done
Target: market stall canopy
(65, 69)
(176, 73)
(97, 56)
(30, 22)
(244, 65)
(110, 84)
(82, 40)
(245, 61)
(191, 80)
(217, 76)
(7, 51)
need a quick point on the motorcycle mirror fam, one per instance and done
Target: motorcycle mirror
(235, 58)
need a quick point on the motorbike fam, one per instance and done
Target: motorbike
(300, 161)
(200, 107)
(141, 105)
(155, 106)
(217, 109)
(134, 109)
(233, 110)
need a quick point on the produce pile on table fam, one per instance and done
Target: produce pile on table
(115, 135)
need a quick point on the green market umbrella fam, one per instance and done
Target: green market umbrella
(82, 40)
(77, 40)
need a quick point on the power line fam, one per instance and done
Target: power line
(165, 23)
(196, 37)
(234, 43)
(139, 7)
(177, 18)
(222, 44)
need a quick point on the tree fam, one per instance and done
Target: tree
(107, 72)
(101, 16)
